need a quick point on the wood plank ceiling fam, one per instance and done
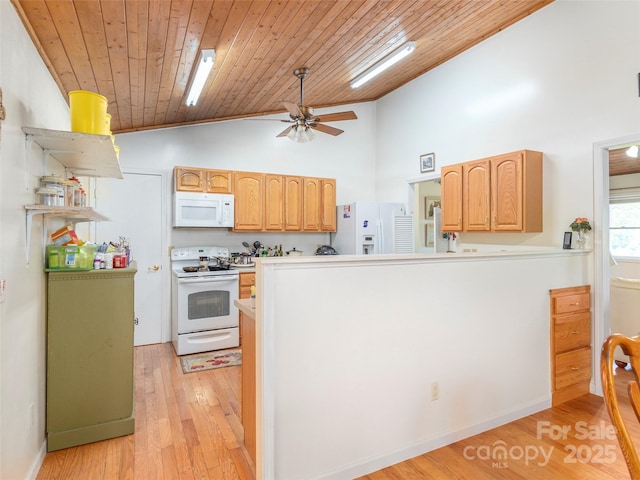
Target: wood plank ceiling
(140, 53)
(622, 164)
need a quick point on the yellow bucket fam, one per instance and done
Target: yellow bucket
(88, 112)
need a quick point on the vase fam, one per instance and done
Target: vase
(450, 244)
(581, 240)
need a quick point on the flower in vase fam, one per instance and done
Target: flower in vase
(580, 224)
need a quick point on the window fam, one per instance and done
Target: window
(624, 228)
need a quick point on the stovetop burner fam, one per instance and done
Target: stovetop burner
(218, 268)
(185, 261)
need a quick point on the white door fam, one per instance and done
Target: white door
(135, 208)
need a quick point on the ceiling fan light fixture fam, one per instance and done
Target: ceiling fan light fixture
(632, 151)
(301, 134)
(203, 69)
(383, 64)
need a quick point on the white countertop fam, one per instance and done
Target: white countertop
(244, 305)
(512, 252)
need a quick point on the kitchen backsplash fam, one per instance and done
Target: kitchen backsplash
(306, 242)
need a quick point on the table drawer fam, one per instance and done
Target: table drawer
(573, 367)
(572, 332)
(571, 303)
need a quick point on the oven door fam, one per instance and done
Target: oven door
(206, 303)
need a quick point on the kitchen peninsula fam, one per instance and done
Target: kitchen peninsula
(350, 350)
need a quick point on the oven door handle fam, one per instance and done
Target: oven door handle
(211, 278)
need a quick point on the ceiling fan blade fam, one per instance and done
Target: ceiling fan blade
(326, 129)
(293, 109)
(285, 131)
(336, 117)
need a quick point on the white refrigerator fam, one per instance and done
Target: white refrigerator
(365, 228)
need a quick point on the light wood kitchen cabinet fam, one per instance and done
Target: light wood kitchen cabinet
(498, 194)
(570, 342)
(248, 190)
(274, 203)
(292, 204)
(248, 393)
(267, 202)
(451, 197)
(246, 281)
(187, 179)
(516, 192)
(476, 196)
(328, 205)
(218, 181)
(311, 195)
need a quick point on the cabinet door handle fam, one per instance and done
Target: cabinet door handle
(155, 268)
(575, 332)
(575, 369)
(577, 304)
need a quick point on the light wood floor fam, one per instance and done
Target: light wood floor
(188, 427)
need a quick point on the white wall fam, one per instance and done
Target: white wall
(557, 81)
(31, 98)
(350, 349)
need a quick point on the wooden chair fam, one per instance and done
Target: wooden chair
(631, 347)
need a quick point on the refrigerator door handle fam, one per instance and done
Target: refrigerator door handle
(379, 248)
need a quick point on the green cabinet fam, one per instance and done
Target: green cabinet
(90, 321)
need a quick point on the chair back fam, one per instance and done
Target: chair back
(631, 347)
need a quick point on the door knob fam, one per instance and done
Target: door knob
(155, 268)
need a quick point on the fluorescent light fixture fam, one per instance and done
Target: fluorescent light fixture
(632, 151)
(383, 64)
(205, 64)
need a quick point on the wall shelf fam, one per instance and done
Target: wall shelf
(74, 214)
(83, 154)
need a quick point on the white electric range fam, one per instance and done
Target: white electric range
(203, 316)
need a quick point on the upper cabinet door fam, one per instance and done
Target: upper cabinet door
(311, 204)
(328, 207)
(189, 179)
(248, 190)
(293, 204)
(516, 192)
(274, 203)
(218, 181)
(506, 187)
(476, 196)
(451, 197)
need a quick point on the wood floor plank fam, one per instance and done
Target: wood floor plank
(188, 426)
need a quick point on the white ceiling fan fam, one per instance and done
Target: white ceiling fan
(304, 122)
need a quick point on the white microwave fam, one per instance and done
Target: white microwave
(208, 210)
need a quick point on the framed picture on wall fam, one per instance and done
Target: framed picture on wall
(429, 204)
(428, 235)
(427, 162)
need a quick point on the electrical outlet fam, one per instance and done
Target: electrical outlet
(435, 391)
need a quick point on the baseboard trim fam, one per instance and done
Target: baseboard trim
(32, 474)
(378, 463)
